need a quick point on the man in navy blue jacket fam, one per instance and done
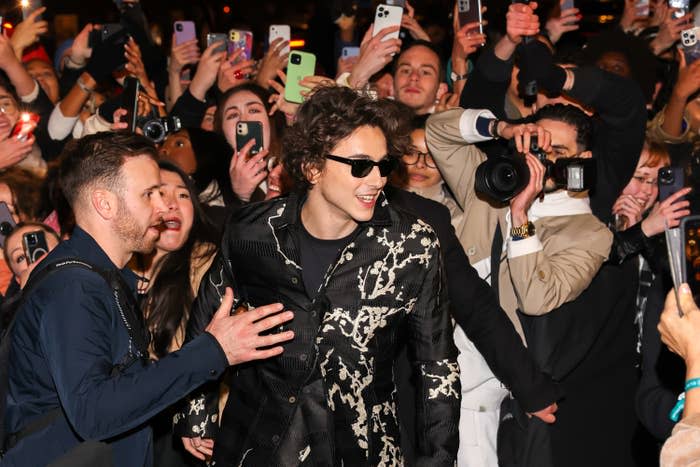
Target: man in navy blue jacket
(72, 354)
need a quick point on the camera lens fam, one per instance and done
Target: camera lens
(666, 176)
(31, 239)
(5, 228)
(178, 27)
(296, 59)
(154, 130)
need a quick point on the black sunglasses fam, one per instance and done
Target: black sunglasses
(360, 168)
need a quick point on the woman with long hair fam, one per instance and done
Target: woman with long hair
(170, 277)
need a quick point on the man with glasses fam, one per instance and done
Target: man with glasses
(363, 279)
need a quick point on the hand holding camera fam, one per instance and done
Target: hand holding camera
(521, 21)
(186, 53)
(247, 172)
(375, 52)
(108, 46)
(207, 71)
(28, 31)
(667, 213)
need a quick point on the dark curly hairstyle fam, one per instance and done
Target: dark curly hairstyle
(573, 116)
(332, 114)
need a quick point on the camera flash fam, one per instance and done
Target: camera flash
(26, 116)
(24, 3)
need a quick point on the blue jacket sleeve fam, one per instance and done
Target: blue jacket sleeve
(82, 338)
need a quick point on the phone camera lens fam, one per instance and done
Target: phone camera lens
(178, 27)
(296, 59)
(5, 228)
(31, 239)
(666, 176)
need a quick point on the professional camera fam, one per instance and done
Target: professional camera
(502, 177)
(157, 128)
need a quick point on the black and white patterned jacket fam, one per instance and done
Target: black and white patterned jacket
(329, 399)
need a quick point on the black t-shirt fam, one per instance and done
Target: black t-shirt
(316, 257)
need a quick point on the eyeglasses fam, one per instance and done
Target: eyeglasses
(360, 168)
(413, 158)
(8, 105)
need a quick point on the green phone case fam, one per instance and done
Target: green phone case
(299, 66)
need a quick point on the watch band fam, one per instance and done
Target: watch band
(522, 231)
(455, 77)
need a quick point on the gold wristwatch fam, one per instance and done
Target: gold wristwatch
(523, 231)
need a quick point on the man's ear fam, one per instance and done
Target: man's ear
(586, 155)
(105, 203)
(442, 89)
(312, 172)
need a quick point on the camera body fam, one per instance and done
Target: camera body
(157, 128)
(501, 178)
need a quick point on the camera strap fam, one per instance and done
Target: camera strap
(496, 251)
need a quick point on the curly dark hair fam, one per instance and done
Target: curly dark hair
(332, 114)
(573, 116)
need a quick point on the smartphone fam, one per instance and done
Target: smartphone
(671, 179)
(469, 11)
(348, 52)
(238, 39)
(28, 6)
(184, 31)
(130, 101)
(387, 16)
(214, 37)
(681, 7)
(7, 223)
(280, 30)
(567, 4)
(246, 131)
(25, 126)
(299, 66)
(690, 235)
(642, 7)
(35, 246)
(690, 45)
(110, 32)
(401, 3)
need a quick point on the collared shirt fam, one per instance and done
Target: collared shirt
(67, 338)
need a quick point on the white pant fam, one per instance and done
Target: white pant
(482, 395)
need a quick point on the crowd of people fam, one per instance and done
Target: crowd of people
(449, 252)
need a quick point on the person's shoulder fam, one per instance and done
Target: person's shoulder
(423, 208)
(260, 211)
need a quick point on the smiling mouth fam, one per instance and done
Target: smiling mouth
(172, 224)
(273, 188)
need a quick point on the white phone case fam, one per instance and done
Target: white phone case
(387, 16)
(283, 31)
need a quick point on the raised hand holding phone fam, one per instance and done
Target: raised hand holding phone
(387, 16)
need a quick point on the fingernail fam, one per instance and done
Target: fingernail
(684, 289)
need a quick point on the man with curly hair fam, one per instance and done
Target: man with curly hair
(362, 277)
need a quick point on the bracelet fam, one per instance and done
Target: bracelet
(78, 64)
(83, 86)
(493, 128)
(692, 384)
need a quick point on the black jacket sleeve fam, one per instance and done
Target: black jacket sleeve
(474, 306)
(488, 84)
(189, 109)
(618, 131)
(42, 106)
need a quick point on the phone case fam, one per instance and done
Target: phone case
(238, 39)
(35, 246)
(387, 16)
(469, 11)
(130, 101)
(31, 6)
(567, 4)
(690, 235)
(184, 31)
(214, 37)
(681, 6)
(299, 66)
(348, 52)
(671, 179)
(401, 3)
(283, 31)
(246, 131)
(690, 44)
(642, 7)
(7, 223)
